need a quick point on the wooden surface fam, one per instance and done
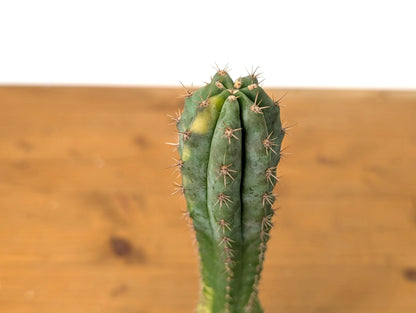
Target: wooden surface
(87, 223)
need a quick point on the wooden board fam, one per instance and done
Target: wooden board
(88, 225)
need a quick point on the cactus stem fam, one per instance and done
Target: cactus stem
(223, 199)
(225, 171)
(229, 148)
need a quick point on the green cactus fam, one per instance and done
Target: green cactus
(230, 137)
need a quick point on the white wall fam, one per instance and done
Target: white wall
(296, 43)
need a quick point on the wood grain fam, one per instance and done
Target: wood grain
(87, 223)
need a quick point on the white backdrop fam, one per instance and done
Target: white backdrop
(296, 43)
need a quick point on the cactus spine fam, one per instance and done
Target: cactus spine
(230, 136)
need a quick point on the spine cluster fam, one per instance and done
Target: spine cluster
(229, 144)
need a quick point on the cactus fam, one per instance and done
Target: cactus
(230, 137)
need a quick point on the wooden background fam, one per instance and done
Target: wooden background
(87, 223)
